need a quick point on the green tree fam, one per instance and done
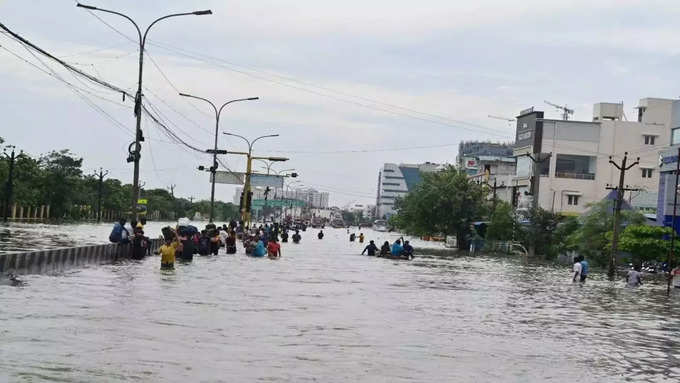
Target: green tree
(502, 223)
(62, 171)
(591, 238)
(445, 202)
(646, 243)
(539, 231)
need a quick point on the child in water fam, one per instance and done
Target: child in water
(167, 252)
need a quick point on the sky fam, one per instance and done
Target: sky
(347, 85)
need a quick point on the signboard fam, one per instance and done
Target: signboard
(529, 131)
(470, 163)
(264, 180)
(141, 206)
(229, 178)
(259, 203)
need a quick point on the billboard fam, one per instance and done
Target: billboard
(229, 178)
(264, 180)
(529, 130)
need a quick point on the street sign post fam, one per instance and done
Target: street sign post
(229, 178)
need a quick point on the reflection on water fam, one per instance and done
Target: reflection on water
(324, 313)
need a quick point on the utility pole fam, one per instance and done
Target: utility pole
(494, 188)
(671, 253)
(9, 186)
(172, 190)
(535, 186)
(135, 154)
(100, 185)
(617, 210)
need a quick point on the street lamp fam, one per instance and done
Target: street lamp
(213, 169)
(245, 208)
(139, 137)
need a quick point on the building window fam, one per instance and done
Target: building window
(390, 184)
(647, 173)
(572, 200)
(641, 112)
(649, 139)
(675, 136)
(576, 167)
(393, 178)
(388, 171)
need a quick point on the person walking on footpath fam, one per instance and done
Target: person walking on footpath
(577, 269)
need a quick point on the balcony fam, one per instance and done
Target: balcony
(577, 176)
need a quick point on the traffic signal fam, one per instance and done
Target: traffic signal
(201, 167)
(294, 175)
(249, 200)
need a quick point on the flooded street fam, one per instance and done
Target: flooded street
(324, 313)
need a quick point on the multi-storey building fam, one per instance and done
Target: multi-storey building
(572, 157)
(395, 181)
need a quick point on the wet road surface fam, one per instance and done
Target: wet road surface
(324, 313)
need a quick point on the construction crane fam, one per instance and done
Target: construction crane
(565, 111)
(508, 120)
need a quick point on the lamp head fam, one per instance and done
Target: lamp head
(200, 13)
(86, 6)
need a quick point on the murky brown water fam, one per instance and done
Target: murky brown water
(324, 313)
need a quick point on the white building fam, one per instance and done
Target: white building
(395, 181)
(578, 170)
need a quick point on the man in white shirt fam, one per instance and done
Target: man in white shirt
(577, 269)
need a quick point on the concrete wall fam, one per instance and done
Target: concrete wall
(58, 260)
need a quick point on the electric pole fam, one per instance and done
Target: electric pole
(172, 190)
(9, 186)
(617, 210)
(101, 176)
(494, 188)
(535, 186)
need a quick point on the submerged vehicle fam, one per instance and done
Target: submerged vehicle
(380, 225)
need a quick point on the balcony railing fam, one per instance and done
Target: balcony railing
(578, 176)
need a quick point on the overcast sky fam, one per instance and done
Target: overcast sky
(379, 76)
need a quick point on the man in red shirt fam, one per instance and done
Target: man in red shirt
(273, 248)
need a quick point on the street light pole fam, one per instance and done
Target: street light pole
(213, 168)
(245, 208)
(139, 137)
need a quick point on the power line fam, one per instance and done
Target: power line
(225, 64)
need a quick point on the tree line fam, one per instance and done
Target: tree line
(57, 179)
(448, 202)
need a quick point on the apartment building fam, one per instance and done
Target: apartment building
(573, 156)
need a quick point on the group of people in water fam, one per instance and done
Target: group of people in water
(396, 250)
(182, 242)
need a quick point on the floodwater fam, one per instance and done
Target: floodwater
(324, 313)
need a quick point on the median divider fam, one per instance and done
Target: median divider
(58, 260)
